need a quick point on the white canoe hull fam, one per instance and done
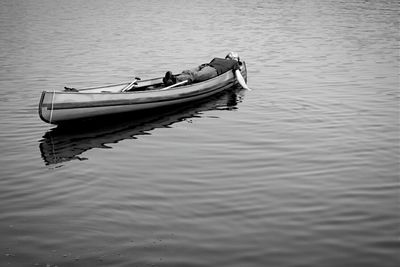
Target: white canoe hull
(58, 107)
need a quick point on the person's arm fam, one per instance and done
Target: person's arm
(241, 80)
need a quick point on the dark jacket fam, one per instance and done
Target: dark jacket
(223, 65)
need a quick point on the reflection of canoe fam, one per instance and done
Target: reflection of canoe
(58, 107)
(65, 143)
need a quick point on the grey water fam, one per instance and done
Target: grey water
(301, 171)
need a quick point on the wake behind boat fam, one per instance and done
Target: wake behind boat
(57, 107)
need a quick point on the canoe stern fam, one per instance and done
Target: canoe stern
(44, 112)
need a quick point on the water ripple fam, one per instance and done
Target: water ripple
(301, 171)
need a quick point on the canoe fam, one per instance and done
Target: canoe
(57, 107)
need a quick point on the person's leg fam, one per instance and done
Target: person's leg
(197, 74)
(205, 73)
(186, 75)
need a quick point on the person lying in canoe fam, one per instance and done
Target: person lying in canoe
(207, 71)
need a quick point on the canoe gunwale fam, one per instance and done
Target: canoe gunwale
(119, 102)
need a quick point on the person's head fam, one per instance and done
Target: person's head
(233, 56)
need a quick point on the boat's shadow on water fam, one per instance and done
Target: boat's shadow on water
(68, 142)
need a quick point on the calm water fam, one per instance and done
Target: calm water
(301, 171)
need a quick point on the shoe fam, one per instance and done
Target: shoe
(168, 75)
(168, 82)
(167, 78)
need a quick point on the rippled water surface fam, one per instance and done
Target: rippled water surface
(301, 171)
